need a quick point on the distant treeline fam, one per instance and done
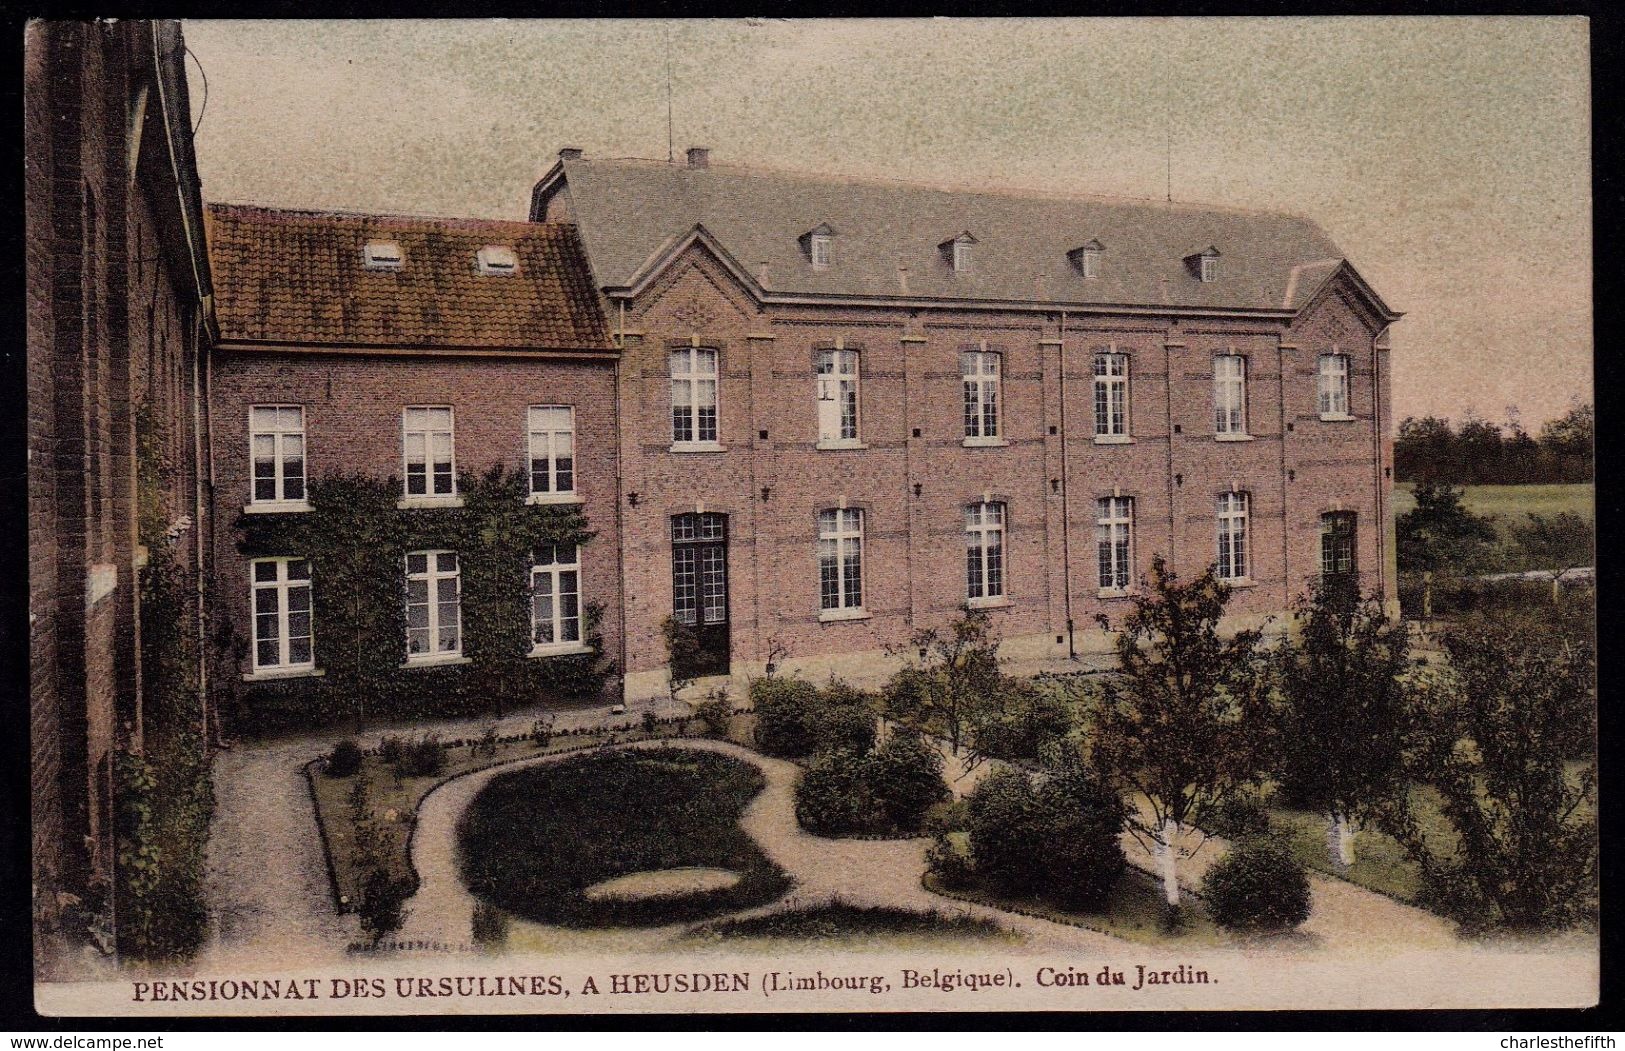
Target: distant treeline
(1484, 453)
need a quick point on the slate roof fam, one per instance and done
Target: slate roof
(631, 211)
(297, 277)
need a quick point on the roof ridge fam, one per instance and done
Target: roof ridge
(990, 190)
(272, 211)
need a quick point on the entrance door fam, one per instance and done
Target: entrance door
(699, 586)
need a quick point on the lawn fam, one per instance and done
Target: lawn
(1510, 503)
(534, 840)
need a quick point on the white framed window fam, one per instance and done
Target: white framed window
(428, 446)
(498, 260)
(979, 371)
(1114, 541)
(1232, 511)
(1229, 394)
(837, 395)
(984, 551)
(283, 633)
(1089, 262)
(434, 615)
(840, 558)
(555, 597)
(383, 255)
(819, 248)
(551, 431)
(1210, 268)
(962, 256)
(1333, 388)
(276, 437)
(1111, 395)
(693, 395)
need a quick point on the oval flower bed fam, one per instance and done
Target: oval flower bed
(534, 841)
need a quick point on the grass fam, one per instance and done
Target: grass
(1134, 910)
(839, 921)
(534, 839)
(392, 800)
(1510, 503)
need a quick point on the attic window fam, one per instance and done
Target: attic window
(1210, 268)
(1087, 259)
(383, 255)
(957, 251)
(819, 247)
(1204, 264)
(497, 259)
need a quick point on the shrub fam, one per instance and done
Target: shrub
(1004, 843)
(907, 693)
(1080, 821)
(541, 731)
(948, 864)
(487, 744)
(383, 904)
(784, 715)
(390, 749)
(715, 712)
(843, 720)
(344, 760)
(1022, 723)
(905, 778)
(422, 758)
(649, 722)
(1240, 817)
(1258, 886)
(832, 797)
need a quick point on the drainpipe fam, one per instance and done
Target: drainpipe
(1066, 503)
(197, 526)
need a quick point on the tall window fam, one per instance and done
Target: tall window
(984, 551)
(282, 628)
(837, 395)
(699, 568)
(1230, 394)
(427, 436)
(979, 369)
(962, 256)
(1210, 268)
(277, 440)
(1111, 394)
(693, 395)
(555, 596)
(1232, 536)
(1334, 385)
(1089, 260)
(840, 558)
(819, 246)
(433, 606)
(1337, 533)
(1114, 537)
(552, 449)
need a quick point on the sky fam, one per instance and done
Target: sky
(1448, 158)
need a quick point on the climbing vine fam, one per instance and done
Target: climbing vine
(356, 539)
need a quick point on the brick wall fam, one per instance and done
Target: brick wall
(916, 476)
(353, 406)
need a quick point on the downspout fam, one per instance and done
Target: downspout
(198, 534)
(1066, 502)
(1381, 524)
(620, 494)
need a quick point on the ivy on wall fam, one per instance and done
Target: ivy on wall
(356, 540)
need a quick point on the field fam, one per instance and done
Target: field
(1510, 503)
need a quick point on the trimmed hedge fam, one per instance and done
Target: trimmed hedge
(1258, 886)
(1057, 840)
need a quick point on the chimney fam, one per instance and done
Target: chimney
(699, 157)
(570, 153)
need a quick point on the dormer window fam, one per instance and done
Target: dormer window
(497, 259)
(818, 245)
(958, 252)
(1204, 264)
(1087, 259)
(383, 255)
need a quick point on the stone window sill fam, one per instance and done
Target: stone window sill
(984, 443)
(276, 507)
(1232, 437)
(559, 649)
(698, 447)
(438, 660)
(553, 498)
(990, 602)
(1111, 593)
(273, 674)
(1113, 439)
(1239, 582)
(1336, 417)
(421, 503)
(828, 616)
(840, 443)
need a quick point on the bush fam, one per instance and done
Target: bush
(907, 693)
(948, 864)
(344, 760)
(1258, 886)
(650, 722)
(843, 721)
(383, 904)
(541, 731)
(784, 715)
(832, 797)
(715, 712)
(1081, 820)
(1022, 723)
(1004, 843)
(1240, 817)
(905, 779)
(390, 749)
(422, 758)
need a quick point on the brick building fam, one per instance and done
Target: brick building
(117, 312)
(420, 353)
(849, 408)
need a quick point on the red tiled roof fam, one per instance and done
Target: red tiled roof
(298, 277)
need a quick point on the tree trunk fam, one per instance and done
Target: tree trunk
(1342, 840)
(1168, 860)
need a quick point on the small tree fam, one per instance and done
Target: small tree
(957, 674)
(1439, 535)
(1491, 740)
(1343, 713)
(682, 654)
(1557, 544)
(1181, 722)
